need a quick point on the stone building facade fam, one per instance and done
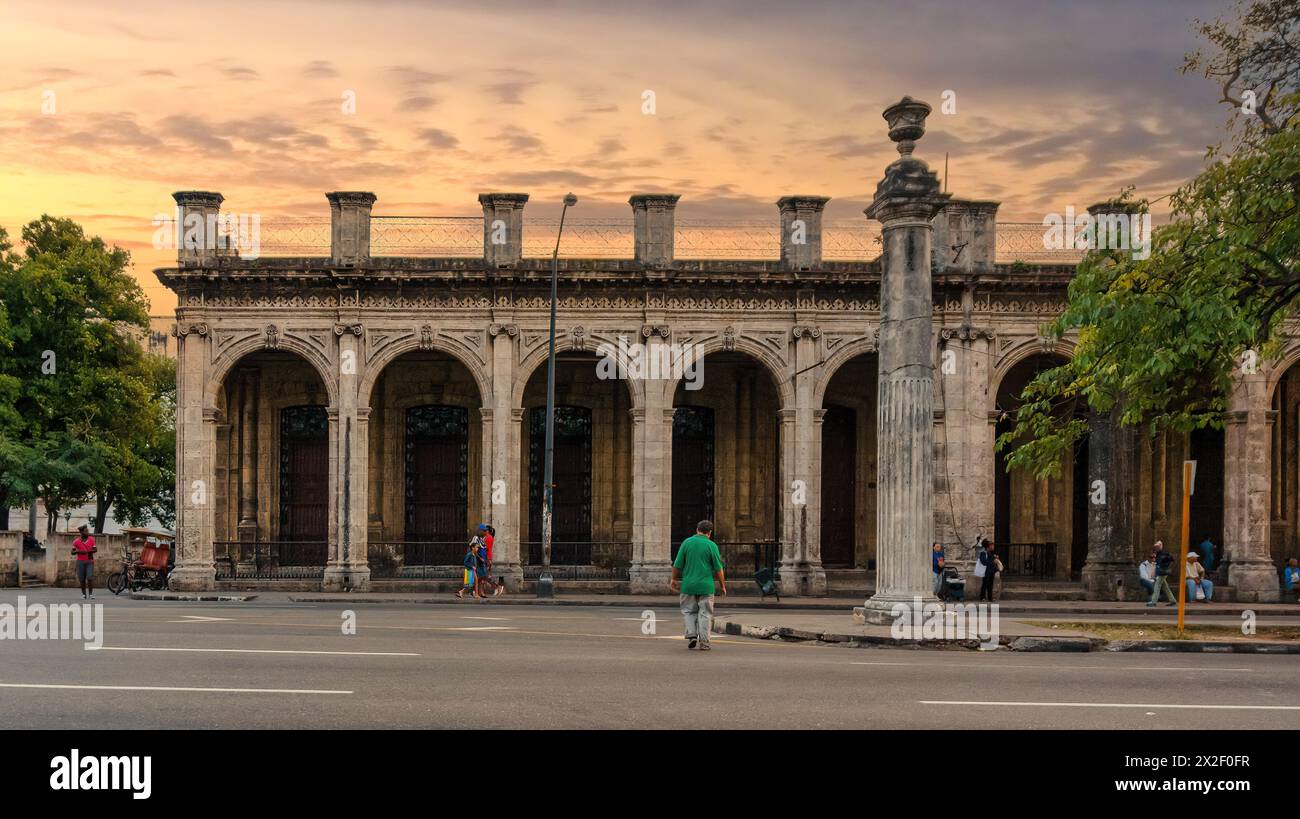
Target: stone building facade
(344, 419)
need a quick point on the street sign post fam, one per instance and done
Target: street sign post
(1189, 487)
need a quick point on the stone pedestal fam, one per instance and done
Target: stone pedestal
(907, 199)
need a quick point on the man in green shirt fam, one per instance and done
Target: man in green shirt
(697, 565)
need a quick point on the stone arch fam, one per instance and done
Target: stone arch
(774, 364)
(1278, 369)
(846, 353)
(1060, 348)
(229, 358)
(392, 351)
(566, 343)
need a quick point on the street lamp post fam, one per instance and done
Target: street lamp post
(545, 583)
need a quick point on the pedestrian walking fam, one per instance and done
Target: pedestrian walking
(987, 566)
(697, 566)
(471, 570)
(1164, 564)
(84, 550)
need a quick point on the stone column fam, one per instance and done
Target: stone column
(196, 442)
(1109, 572)
(801, 231)
(503, 447)
(1246, 500)
(965, 436)
(503, 230)
(800, 464)
(198, 216)
(653, 227)
(652, 465)
(348, 568)
(906, 201)
(350, 226)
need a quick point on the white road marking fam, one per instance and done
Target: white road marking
(471, 617)
(480, 628)
(195, 618)
(1162, 706)
(257, 651)
(175, 688)
(1073, 667)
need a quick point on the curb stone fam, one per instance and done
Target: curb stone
(1024, 643)
(194, 598)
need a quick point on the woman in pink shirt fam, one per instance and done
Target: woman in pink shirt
(84, 548)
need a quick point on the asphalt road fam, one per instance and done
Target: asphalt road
(474, 665)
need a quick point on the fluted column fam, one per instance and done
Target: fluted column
(905, 203)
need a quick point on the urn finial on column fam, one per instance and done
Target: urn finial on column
(906, 120)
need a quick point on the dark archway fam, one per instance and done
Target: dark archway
(272, 499)
(848, 465)
(1040, 524)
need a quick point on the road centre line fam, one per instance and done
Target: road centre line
(1148, 706)
(1069, 667)
(258, 651)
(175, 688)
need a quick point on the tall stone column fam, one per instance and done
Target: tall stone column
(503, 447)
(652, 464)
(906, 201)
(348, 567)
(196, 443)
(1246, 493)
(1113, 453)
(801, 565)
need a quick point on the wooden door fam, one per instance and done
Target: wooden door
(437, 474)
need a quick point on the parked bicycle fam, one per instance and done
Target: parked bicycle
(148, 572)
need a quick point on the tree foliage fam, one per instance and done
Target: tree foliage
(1161, 340)
(87, 413)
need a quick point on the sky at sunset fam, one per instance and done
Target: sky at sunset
(1058, 103)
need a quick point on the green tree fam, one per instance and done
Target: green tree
(1160, 339)
(95, 411)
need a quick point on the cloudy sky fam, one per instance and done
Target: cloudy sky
(1058, 102)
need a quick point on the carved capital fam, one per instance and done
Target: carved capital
(648, 330)
(966, 332)
(340, 329)
(181, 330)
(510, 330)
(806, 330)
